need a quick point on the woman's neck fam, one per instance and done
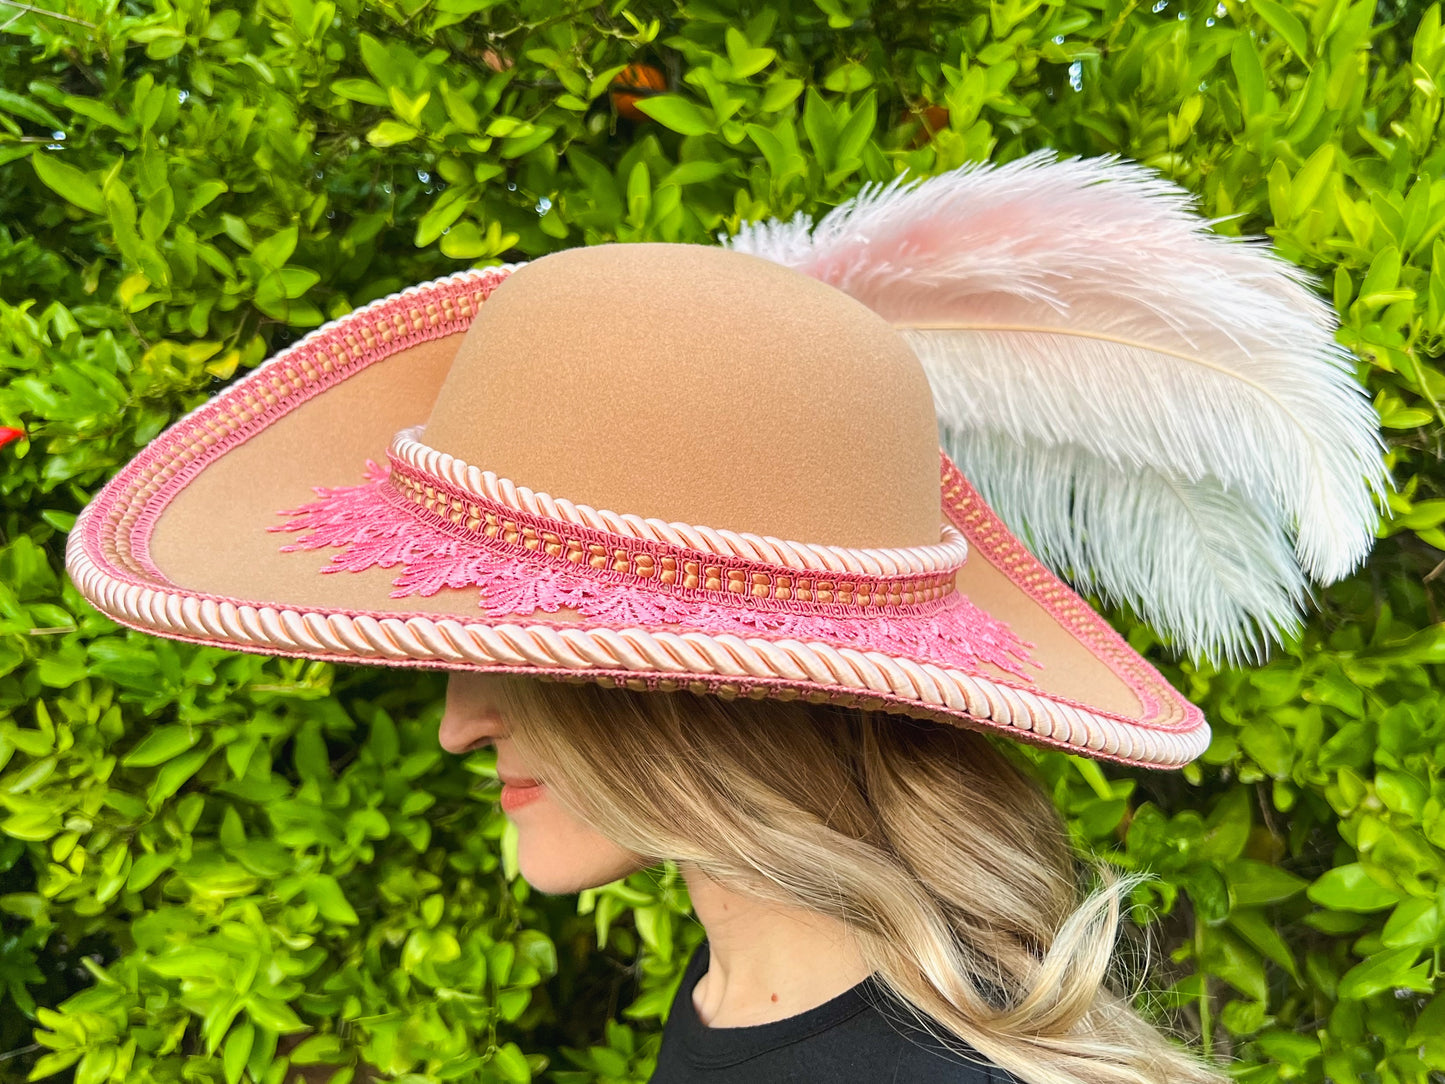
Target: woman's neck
(766, 962)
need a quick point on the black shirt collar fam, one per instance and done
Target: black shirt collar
(709, 1047)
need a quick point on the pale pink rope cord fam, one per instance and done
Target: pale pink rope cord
(419, 639)
(945, 556)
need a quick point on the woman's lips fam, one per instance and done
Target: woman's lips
(520, 793)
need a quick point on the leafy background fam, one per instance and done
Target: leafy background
(217, 867)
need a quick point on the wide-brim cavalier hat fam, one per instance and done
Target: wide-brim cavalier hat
(668, 466)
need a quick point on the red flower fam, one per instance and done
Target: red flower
(9, 433)
(634, 82)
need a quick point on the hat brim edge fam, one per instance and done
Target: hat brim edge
(1171, 732)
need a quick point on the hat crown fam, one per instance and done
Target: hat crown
(699, 385)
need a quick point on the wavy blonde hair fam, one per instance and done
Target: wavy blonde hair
(946, 859)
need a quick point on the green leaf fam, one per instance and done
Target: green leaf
(174, 774)
(1280, 190)
(275, 1015)
(678, 113)
(146, 868)
(1400, 791)
(1309, 182)
(237, 230)
(1259, 932)
(10, 102)
(609, 1062)
(1382, 278)
(461, 111)
(1238, 965)
(160, 745)
(1402, 417)
(511, 1064)
(237, 1051)
(1386, 971)
(848, 77)
(34, 825)
(297, 280)
(444, 214)
(203, 194)
(389, 133)
(1415, 922)
(1252, 884)
(318, 1049)
(379, 62)
(276, 249)
(68, 181)
(744, 58)
(639, 192)
(361, 90)
(1269, 745)
(776, 155)
(53, 1064)
(1351, 888)
(821, 127)
(408, 108)
(515, 146)
(324, 891)
(1288, 1047)
(780, 94)
(1284, 23)
(858, 130)
(1426, 646)
(466, 241)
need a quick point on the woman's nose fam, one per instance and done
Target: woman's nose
(462, 732)
(467, 723)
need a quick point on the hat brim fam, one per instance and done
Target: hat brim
(177, 544)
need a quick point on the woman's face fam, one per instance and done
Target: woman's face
(556, 852)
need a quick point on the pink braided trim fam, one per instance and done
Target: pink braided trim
(1160, 702)
(378, 526)
(467, 485)
(121, 530)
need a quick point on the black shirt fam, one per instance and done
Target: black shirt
(861, 1036)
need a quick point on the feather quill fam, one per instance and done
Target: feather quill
(1162, 412)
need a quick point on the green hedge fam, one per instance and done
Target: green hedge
(217, 867)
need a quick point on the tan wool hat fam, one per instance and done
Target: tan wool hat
(655, 466)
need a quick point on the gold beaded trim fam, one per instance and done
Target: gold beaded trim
(667, 565)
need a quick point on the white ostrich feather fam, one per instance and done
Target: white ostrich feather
(1072, 511)
(1161, 411)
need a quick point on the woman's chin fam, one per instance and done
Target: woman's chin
(558, 854)
(555, 882)
(557, 875)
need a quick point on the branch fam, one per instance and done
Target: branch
(29, 9)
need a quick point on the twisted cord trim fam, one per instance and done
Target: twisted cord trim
(491, 525)
(944, 557)
(949, 694)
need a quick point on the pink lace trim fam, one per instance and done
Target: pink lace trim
(472, 517)
(377, 527)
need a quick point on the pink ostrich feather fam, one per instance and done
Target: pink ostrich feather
(1160, 411)
(373, 528)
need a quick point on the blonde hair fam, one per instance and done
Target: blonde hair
(947, 861)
